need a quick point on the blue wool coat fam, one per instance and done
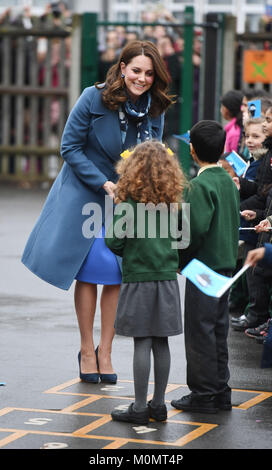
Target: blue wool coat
(91, 145)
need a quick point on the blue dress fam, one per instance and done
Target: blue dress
(100, 265)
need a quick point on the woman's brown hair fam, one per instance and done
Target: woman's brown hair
(150, 174)
(114, 93)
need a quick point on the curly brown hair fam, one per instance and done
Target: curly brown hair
(150, 174)
(114, 92)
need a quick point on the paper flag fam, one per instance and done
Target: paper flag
(252, 228)
(238, 164)
(268, 10)
(207, 280)
(184, 137)
(255, 108)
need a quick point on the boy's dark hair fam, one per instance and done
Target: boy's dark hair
(252, 94)
(208, 139)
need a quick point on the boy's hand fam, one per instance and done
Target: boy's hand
(254, 256)
(263, 226)
(248, 215)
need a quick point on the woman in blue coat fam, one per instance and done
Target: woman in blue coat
(106, 120)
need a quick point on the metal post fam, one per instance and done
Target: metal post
(219, 65)
(89, 50)
(187, 88)
(210, 68)
(75, 72)
(229, 45)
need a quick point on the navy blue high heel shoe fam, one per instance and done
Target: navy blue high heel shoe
(90, 378)
(105, 378)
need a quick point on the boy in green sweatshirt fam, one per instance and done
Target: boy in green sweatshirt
(214, 234)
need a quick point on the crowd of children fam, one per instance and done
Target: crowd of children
(255, 187)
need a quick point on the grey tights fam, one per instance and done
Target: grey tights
(141, 369)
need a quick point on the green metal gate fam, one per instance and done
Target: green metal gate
(26, 146)
(33, 104)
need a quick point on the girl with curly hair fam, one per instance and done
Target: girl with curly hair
(149, 192)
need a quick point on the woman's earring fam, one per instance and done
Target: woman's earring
(122, 75)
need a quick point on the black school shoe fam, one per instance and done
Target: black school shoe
(131, 416)
(159, 413)
(223, 400)
(193, 402)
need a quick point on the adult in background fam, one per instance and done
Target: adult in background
(106, 120)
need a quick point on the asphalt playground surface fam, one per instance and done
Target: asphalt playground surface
(43, 404)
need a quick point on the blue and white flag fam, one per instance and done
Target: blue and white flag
(268, 9)
(238, 164)
(207, 280)
(255, 108)
(184, 137)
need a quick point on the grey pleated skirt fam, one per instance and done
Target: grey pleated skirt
(149, 309)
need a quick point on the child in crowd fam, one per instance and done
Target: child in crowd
(231, 103)
(266, 103)
(149, 302)
(254, 201)
(251, 192)
(214, 229)
(268, 125)
(254, 138)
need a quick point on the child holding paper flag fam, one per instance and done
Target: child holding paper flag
(239, 293)
(214, 229)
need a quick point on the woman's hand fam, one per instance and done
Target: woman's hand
(110, 188)
(248, 215)
(263, 226)
(254, 256)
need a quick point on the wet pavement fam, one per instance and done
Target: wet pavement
(44, 405)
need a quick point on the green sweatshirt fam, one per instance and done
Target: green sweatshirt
(147, 256)
(214, 220)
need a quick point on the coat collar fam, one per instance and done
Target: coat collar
(107, 130)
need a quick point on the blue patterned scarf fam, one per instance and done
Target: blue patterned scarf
(137, 112)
